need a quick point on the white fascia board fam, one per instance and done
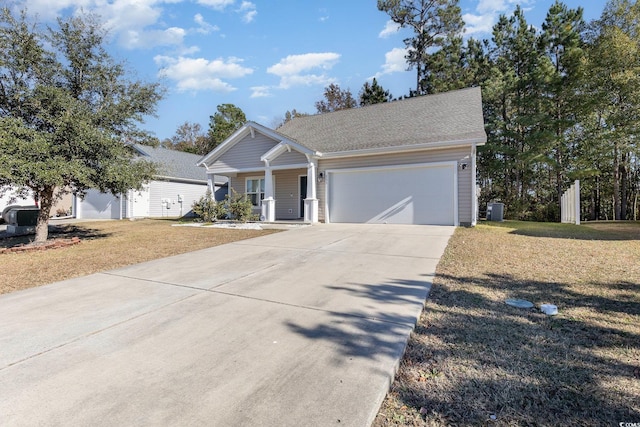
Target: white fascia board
(403, 148)
(224, 146)
(234, 172)
(286, 145)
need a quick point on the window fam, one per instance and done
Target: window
(255, 190)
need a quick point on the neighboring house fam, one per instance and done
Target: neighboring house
(171, 193)
(8, 198)
(407, 162)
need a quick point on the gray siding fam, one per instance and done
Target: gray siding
(237, 183)
(290, 158)
(246, 153)
(287, 193)
(159, 190)
(462, 154)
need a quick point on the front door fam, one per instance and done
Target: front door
(303, 194)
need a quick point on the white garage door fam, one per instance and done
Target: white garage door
(96, 205)
(414, 194)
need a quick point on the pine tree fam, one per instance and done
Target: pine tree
(223, 123)
(432, 22)
(613, 85)
(560, 76)
(373, 94)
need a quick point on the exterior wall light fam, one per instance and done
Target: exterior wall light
(321, 177)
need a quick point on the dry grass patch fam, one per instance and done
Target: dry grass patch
(473, 360)
(106, 245)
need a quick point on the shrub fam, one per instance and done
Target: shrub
(239, 207)
(208, 209)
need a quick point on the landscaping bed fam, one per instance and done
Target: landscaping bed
(474, 360)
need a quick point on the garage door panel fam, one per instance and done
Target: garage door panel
(409, 195)
(96, 205)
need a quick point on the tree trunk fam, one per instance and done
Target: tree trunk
(624, 186)
(45, 201)
(616, 181)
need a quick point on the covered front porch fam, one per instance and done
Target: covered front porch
(277, 174)
(290, 197)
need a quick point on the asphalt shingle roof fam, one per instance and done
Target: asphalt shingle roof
(445, 117)
(173, 163)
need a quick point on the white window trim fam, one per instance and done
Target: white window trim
(251, 178)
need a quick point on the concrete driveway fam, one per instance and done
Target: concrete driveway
(303, 327)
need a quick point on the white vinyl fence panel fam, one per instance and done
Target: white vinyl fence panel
(570, 209)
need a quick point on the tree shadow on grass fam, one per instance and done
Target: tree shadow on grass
(62, 231)
(472, 356)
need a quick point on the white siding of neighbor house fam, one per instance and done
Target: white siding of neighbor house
(245, 154)
(159, 190)
(461, 155)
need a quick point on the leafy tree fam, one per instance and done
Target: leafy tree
(223, 123)
(432, 21)
(335, 99)
(373, 94)
(67, 110)
(190, 138)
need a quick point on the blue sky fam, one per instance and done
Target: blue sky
(265, 56)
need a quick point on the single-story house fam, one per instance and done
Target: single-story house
(411, 161)
(171, 193)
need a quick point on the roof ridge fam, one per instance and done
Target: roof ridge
(380, 104)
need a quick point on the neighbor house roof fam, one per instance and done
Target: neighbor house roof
(175, 164)
(447, 118)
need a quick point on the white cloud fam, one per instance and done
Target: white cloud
(193, 74)
(216, 4)
(203, 26)
(134, 23)
(487, 14)
(293, 69)
(478, 23)
(324, 15)
(260, 91)
(394, 61)
(248, 10)
(133, 39)
(389, 28)
(46, 9)
(294, 64)
(188, 50)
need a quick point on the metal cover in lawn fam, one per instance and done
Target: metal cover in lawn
(520, 303)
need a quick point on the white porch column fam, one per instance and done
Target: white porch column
(311, 202)
(269, 203)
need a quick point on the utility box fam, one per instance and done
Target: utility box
(495, 212)
(21, 219)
